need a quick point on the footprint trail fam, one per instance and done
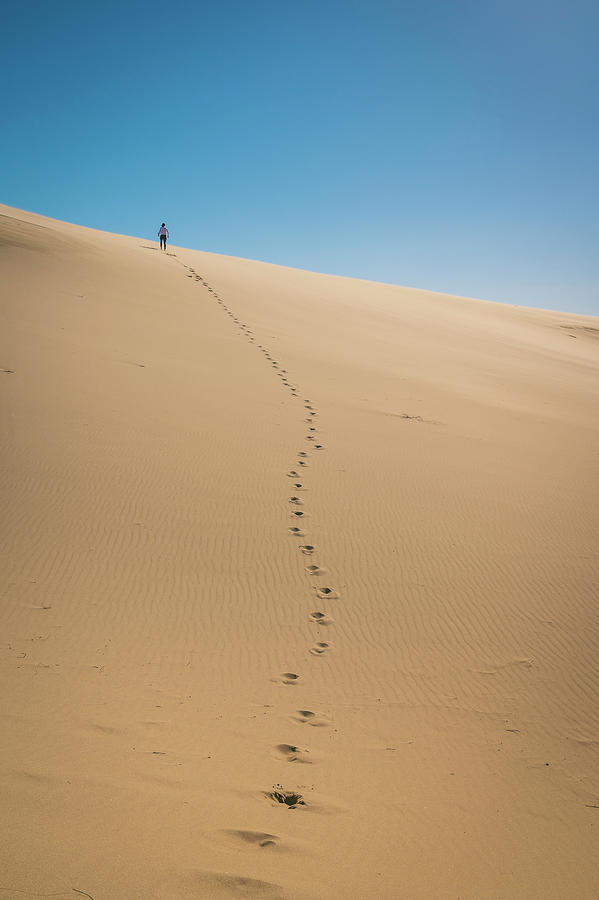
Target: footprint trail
(313, 571)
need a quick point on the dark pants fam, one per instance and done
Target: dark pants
(163, 241)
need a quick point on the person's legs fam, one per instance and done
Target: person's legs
(163, 242)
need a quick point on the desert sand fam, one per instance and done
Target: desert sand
(299, 593)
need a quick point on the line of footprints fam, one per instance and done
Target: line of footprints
(291, 799)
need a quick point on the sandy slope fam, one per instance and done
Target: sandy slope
(444, 727)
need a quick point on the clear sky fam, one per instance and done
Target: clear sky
(449, 145)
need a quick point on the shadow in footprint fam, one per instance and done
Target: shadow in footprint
(319, 648)
(320, 618)
(290, 799)
(308, 717)
(290, 753)
(287, 678)
(327, 593)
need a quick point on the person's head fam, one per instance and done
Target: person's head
(163, 224)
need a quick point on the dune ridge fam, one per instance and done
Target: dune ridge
(300, 594)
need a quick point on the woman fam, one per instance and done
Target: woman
(163, 234)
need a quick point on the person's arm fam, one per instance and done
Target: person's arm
(168, 234)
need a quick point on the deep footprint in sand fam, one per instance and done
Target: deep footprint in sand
(308, 717)
(327, 593)
(307, 548)
(290, 799)
(287, 678)
(320, 618)
(291, 753)
(295, 531)
(315, 570)
(319, 648)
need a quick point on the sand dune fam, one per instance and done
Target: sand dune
(300, 582)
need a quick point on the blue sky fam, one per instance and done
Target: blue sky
(449, 145)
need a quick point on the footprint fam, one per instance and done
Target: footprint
(290, 799)
(255, 839)
(319, 648)
(298, 485)
(295, 531)
(302, 462)
(296, 501)
(302, 453)
(308, 717)
(315, 570)
(293, 754)
(298, 513)
(320, 618)
(288, 678)
(318, 446)
(292, 474)
(327, 593)
(307, 548)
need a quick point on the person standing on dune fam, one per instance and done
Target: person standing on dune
(163, 235)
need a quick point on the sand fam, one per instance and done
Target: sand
(176, 660)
